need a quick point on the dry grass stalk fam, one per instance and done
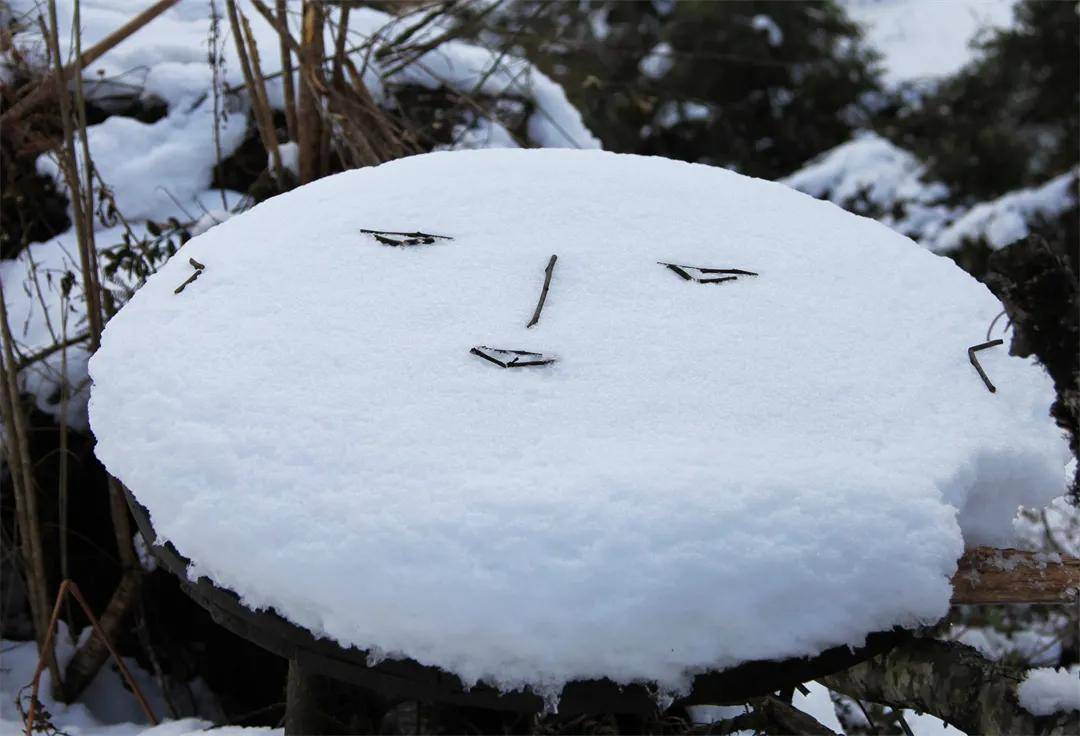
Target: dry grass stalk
(69, 167)
(287, 71)
(26, 509)
(365, 135)
(69, 587)
(311, 130)
(264, 120)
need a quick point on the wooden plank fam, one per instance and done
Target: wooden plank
(991, 575)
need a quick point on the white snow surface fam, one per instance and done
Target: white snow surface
(306, 422)
(926, 39)
(1047, 690)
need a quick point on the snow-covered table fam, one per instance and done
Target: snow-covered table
(744, 426)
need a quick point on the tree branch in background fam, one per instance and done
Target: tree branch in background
(989, 575)
(70, 167)
(951, 681)
(311, 130)
(264, 119)
(287, 70)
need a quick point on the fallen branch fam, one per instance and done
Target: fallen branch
(951, 681)
(989, 575)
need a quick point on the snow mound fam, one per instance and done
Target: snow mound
(1010, 217)
(871, 176)
(1046, 691)
(308, 424)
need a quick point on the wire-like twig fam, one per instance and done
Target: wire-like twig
(975, 361)
(544, 291)
(69, 586)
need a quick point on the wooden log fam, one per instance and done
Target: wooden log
(991, 575)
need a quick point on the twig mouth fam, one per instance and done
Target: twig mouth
(511, 358)
(704, 275)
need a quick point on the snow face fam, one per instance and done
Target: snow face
(306, 421)
(1046, 691)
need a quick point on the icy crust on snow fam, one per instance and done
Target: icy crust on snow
(708, 474)
(1047, 690)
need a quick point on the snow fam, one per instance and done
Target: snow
(307, 424)
(926, 39)
(872, 176)
(1046, 690)
(1009, 218)
(149, 167)
(818, 704)
(767, 25)
(107, 708)
(658, 61)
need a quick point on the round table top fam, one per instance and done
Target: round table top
(540, 416)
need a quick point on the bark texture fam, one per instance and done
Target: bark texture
(953, 682)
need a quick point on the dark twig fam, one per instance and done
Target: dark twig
(405, 235)
(990, 329)
(544, 291)
(975, 361)
(198, 272)
(683, 272)
(518, 361)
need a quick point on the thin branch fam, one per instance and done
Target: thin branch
(951, 681)
(544, 291)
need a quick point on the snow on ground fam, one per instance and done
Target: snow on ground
(699, 456)
(1009, 218)
(871, 176)
(926, 39)
(1046, 690)
(106, 709)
